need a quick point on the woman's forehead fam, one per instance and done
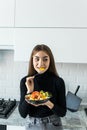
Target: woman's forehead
(41, 54)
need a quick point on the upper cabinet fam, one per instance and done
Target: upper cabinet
(51, 13)
(6, 38)
(7, 13)
(67, 45)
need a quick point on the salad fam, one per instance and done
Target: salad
(38, 95)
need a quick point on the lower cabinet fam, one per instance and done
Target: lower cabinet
(15, 127)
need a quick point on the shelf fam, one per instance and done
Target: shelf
(6, 47)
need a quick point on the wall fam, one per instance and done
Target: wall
(11, 72)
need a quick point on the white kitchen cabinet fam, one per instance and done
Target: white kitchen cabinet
(9, 127)
(7, 13)
(6, 38)
(67, 45)
(54, 13)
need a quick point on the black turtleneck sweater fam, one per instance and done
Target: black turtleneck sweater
(46, 82)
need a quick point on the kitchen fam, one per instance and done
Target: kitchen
(14, 65)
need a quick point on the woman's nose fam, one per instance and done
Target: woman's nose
(40, 63)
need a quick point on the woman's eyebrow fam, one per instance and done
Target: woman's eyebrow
(42, 57)
(45, 57)
(36, 56)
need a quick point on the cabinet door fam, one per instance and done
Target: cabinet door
(6, 37)
(9, 127)
(7, 13)
(67, 45)
(51, 13)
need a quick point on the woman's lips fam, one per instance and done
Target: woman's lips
(41, 68)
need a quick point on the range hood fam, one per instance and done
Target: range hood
(6, 47)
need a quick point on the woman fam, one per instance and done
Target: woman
(42, 75)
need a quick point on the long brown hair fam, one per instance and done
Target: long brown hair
(47, 50)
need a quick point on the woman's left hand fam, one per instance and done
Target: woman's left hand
(48, 104)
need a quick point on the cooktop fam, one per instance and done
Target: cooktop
(7, 107)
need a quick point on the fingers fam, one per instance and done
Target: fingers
(26, 85)
(29, 84)
(36, 105)
(30, 79)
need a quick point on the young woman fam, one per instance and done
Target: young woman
(42, 75)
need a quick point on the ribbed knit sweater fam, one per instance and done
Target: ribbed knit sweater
(46, 82)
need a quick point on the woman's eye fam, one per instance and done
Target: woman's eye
(45, 59)
(37, 59)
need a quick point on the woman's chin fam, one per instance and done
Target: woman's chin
(41, 72)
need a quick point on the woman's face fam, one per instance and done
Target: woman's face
(41, 61)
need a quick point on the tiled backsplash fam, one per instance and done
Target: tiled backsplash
(11, 73)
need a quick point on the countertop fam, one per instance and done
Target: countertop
(72, 120)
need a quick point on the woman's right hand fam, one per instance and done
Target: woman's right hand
(30, 84)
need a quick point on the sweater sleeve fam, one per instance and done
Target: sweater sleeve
(60, 106)
(23, 105)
